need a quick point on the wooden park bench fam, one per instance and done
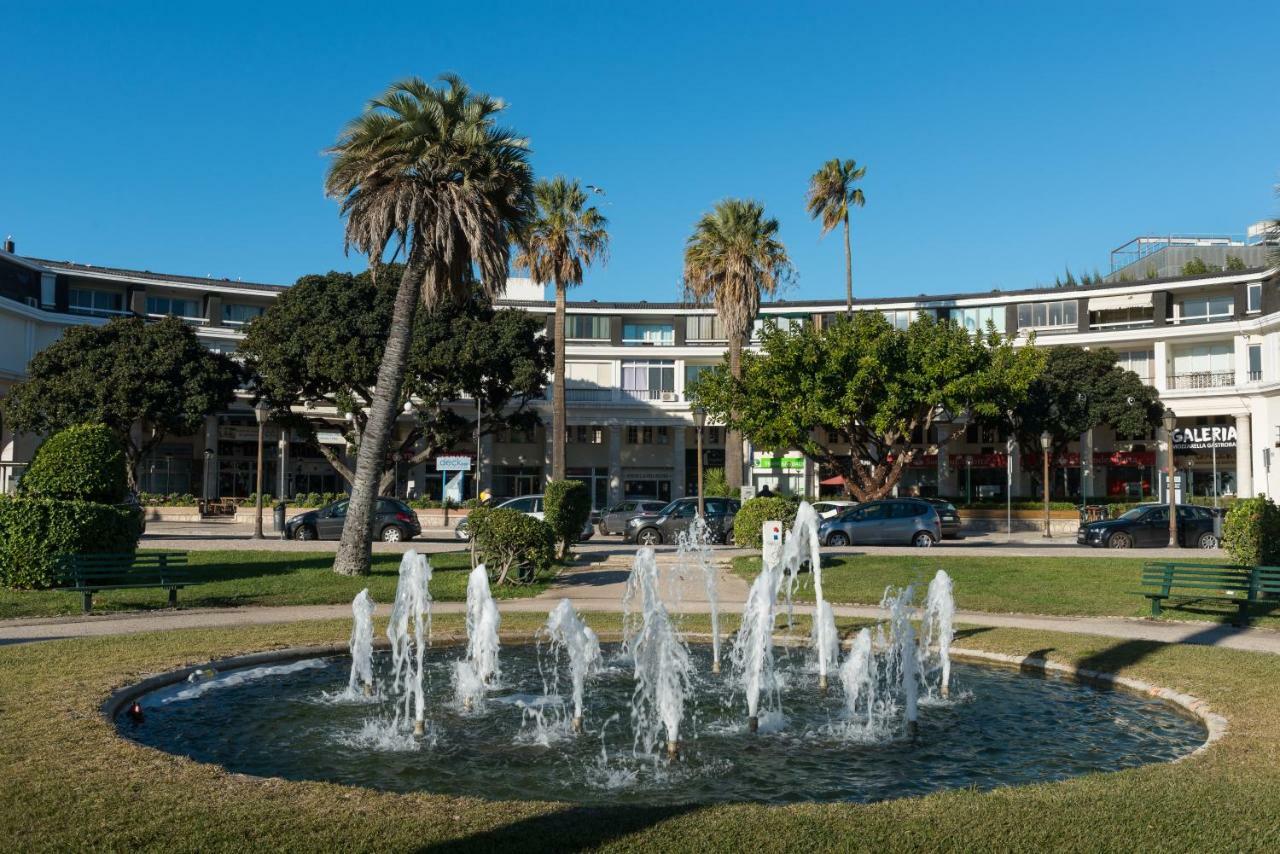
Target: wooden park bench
(1242, 586)
(89, 573)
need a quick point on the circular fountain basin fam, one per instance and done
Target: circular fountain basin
(1000, 727)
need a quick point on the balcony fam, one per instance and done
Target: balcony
(1203, 379)
(651, 395)
(1255, 376)
(583, 395)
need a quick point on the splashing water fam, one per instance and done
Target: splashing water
(482, 626)
(801, 543)
(567, 633)
(694, 545)
(751, 659)
(409, 632)
(663, 668)
(361, 645)
(937, 627)
(858, 676)
(904, 664)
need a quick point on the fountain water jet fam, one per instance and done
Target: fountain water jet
(904, 661)
(752, 656)
(695, 544)
(568, 633)
(803, 541)
(361, 645)
(937, 625)
(409, 631)
(858, 676)
(663, 669)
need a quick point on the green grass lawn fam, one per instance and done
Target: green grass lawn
(240, 578)
(68, 782)
(1029, 585)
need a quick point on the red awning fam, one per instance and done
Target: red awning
(832, 481)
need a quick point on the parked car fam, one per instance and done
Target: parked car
(530, 505)
(949, 515)
(393, 521)
(895, 521)
(613, 520)
(828, 509)
(653, 528)
(1148, 525)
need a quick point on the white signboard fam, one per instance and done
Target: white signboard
(771, 539)
(748, 492)
(1204, 438)
(453, 463)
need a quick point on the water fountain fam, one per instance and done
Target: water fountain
(409, 632)
(752, 654)
(663, 669)
(859, 677)
(361, 645)
(567, 633)
(936, 622)
(694, 545)
(903, 664)
(801, 543)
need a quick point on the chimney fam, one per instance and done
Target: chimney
(8, 244)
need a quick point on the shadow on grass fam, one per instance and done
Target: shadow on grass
(573, 829)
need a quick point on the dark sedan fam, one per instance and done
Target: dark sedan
(393, 521)
(949, 516)
(1147, 525)
(663, 526)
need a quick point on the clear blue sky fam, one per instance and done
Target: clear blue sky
(1002, 142)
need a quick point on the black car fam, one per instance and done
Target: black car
(655, 527)
(393, 521)
(1148, 525)
(949, 516)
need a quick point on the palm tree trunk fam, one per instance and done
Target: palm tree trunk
(353, 555)
(732, 438)
(848, 268)
(558, 393)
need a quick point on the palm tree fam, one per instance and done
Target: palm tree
(564, 236)
(425, 168)
(732, 258)
(831, 194)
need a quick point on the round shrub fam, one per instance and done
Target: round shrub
(1251, 532)
(567, 509)
(82, 463)
(35, 532)
(750, 519)
(512, 546)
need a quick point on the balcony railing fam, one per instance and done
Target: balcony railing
(583, 395)
(656, 395)
(1255, 376)
(1203, 379)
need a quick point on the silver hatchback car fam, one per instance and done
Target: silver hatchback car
(891, 522)
(614, 520)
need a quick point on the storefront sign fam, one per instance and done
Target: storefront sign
(1204, 438)
(232, 433)
(453, 463)
(789, 463)
(979, 461)
(1130, 459)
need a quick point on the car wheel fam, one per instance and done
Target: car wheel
(922, 540)
(392, 534)
(1120, 540)
(304, 532)
(604, 532)
(649, 537)
(1207, 541)
(837, 539)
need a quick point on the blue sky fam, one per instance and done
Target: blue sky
(1002, 141)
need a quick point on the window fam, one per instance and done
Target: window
(1255, 362)
(704, 328)
(587, 382)
(783, 322)
(692, 372)
(902, 318)
(85, 301)
(1206, 309)
(1047, 315)
(1138, 361)
(648, 435)
(586, 327)
(47, 289)
(713, 435)
(1204, 366)
(584, 434)
(172, 305)
(648, 334)
(1122, 318)
(833, 437)
(976, 319)
(1254, 304)
(648, 380)
(238, 314)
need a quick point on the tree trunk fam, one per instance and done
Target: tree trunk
(354, 551)
(732, 438)
(848, 268)
(558, 393)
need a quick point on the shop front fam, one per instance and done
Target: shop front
(783, 474)
(654, 484)
(1129, 475)
(1204, 454)
(981, 477)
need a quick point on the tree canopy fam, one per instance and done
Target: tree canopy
(864, 382)
(126, 372)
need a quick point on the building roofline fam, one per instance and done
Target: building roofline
(125, 274)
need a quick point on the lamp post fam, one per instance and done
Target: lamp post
(204, 487)
(700, 421)
(260, 411)
(1170, 422)
(1046, 442)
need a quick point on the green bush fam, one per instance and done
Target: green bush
(1251, 532)
(567, 509)
(173, 499)
(715, 485)
(82, 463)
(507, 540)
(34, 532)
(754, 513)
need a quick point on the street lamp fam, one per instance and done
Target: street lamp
(700, 421)
(204, 488)
(1170, 422)
(260, 410)
(1046, 442)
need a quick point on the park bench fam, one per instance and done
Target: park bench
(1242, 586)
(89, 573)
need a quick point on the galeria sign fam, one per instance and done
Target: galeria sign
(1204, 438)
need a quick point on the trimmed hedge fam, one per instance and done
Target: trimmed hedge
(750, 519)
(505, 540)
(1251, 532)
(82, 463)
(34, 532)
(566, 508)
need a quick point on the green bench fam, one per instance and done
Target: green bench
(89, 573)
(1242, 586)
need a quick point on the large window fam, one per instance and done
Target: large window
(704, 328)
(1138, 361)
(85, 301)
(649, 380)
(648, 334)
(784, 322)
(1204, 366)
(1255, 363)
(692, 372)
(588, 381)
(238, 314)
(977, 318)
(1255, 297)
(1047, 315)
(586, 327)
(1206, 309)
(173, 305)
(648, 436)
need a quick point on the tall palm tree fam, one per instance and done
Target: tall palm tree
(427, 169)
(733, 258)
(831, 194)
(564, 236)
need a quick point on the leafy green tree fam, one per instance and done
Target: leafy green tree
(564, 236)
(128, 372)
(1235, 264)
(1079, 390)
(831, 194)
(1195, 267)
(733, 258)
(875, 385)
(426, 169)
(319, 345)
(567, 505)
